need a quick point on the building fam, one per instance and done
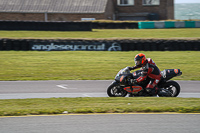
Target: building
(144, 9)
(77, 10)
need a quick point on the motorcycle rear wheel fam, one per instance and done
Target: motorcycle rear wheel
(173, 87)
(115, 90)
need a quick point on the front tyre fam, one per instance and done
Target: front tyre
(115, 90)
(172, 87)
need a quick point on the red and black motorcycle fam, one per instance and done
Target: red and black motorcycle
(123, 86)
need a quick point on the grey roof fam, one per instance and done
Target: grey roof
(53, 6)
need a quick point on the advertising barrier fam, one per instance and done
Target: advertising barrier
(100, 45)
(168, 24)
(75, 46)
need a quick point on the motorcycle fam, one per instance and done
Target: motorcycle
(123, 85)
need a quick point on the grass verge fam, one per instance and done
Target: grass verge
(184, 33)
(89, 65)
(18, 107)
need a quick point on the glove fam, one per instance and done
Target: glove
(128, 68)
(131, 68)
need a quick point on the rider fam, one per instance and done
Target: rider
(149, 69)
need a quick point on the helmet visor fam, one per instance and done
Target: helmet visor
(138, 62)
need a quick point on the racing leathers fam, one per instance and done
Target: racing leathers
(149, 69)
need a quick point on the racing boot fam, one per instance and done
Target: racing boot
(164, 94)
(130, 94)
(152, 91)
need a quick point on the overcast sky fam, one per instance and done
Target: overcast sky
(187, 1)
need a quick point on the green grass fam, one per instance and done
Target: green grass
(76, 65)
(89, 65)
(19, 107)
(186, 33)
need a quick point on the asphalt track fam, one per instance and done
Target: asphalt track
(103, 123)
(74, 88)
(91, 123)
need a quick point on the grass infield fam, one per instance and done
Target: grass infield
(18, 107)
(82, 65)
(183, 33)
(89, 65)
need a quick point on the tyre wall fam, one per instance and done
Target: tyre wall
(99, 45)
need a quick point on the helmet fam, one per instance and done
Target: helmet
(140, 59)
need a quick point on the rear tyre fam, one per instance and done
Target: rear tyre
(115, 90)
(173, 88)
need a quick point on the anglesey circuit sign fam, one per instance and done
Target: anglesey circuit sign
(65, 46)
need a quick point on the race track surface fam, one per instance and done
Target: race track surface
(91, 123)
(103, 123)
(74, 88)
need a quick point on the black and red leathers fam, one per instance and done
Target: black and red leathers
(149, 69)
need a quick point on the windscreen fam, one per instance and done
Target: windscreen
(123, 71)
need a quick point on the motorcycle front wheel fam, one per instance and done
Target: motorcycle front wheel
(115, 90)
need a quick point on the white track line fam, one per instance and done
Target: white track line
(86, 95)
(64, 86)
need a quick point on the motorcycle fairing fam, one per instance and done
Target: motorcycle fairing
(137, 74)
(121, 79)
(135, 89)
(170, 73)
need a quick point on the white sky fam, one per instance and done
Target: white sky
(187, 1)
